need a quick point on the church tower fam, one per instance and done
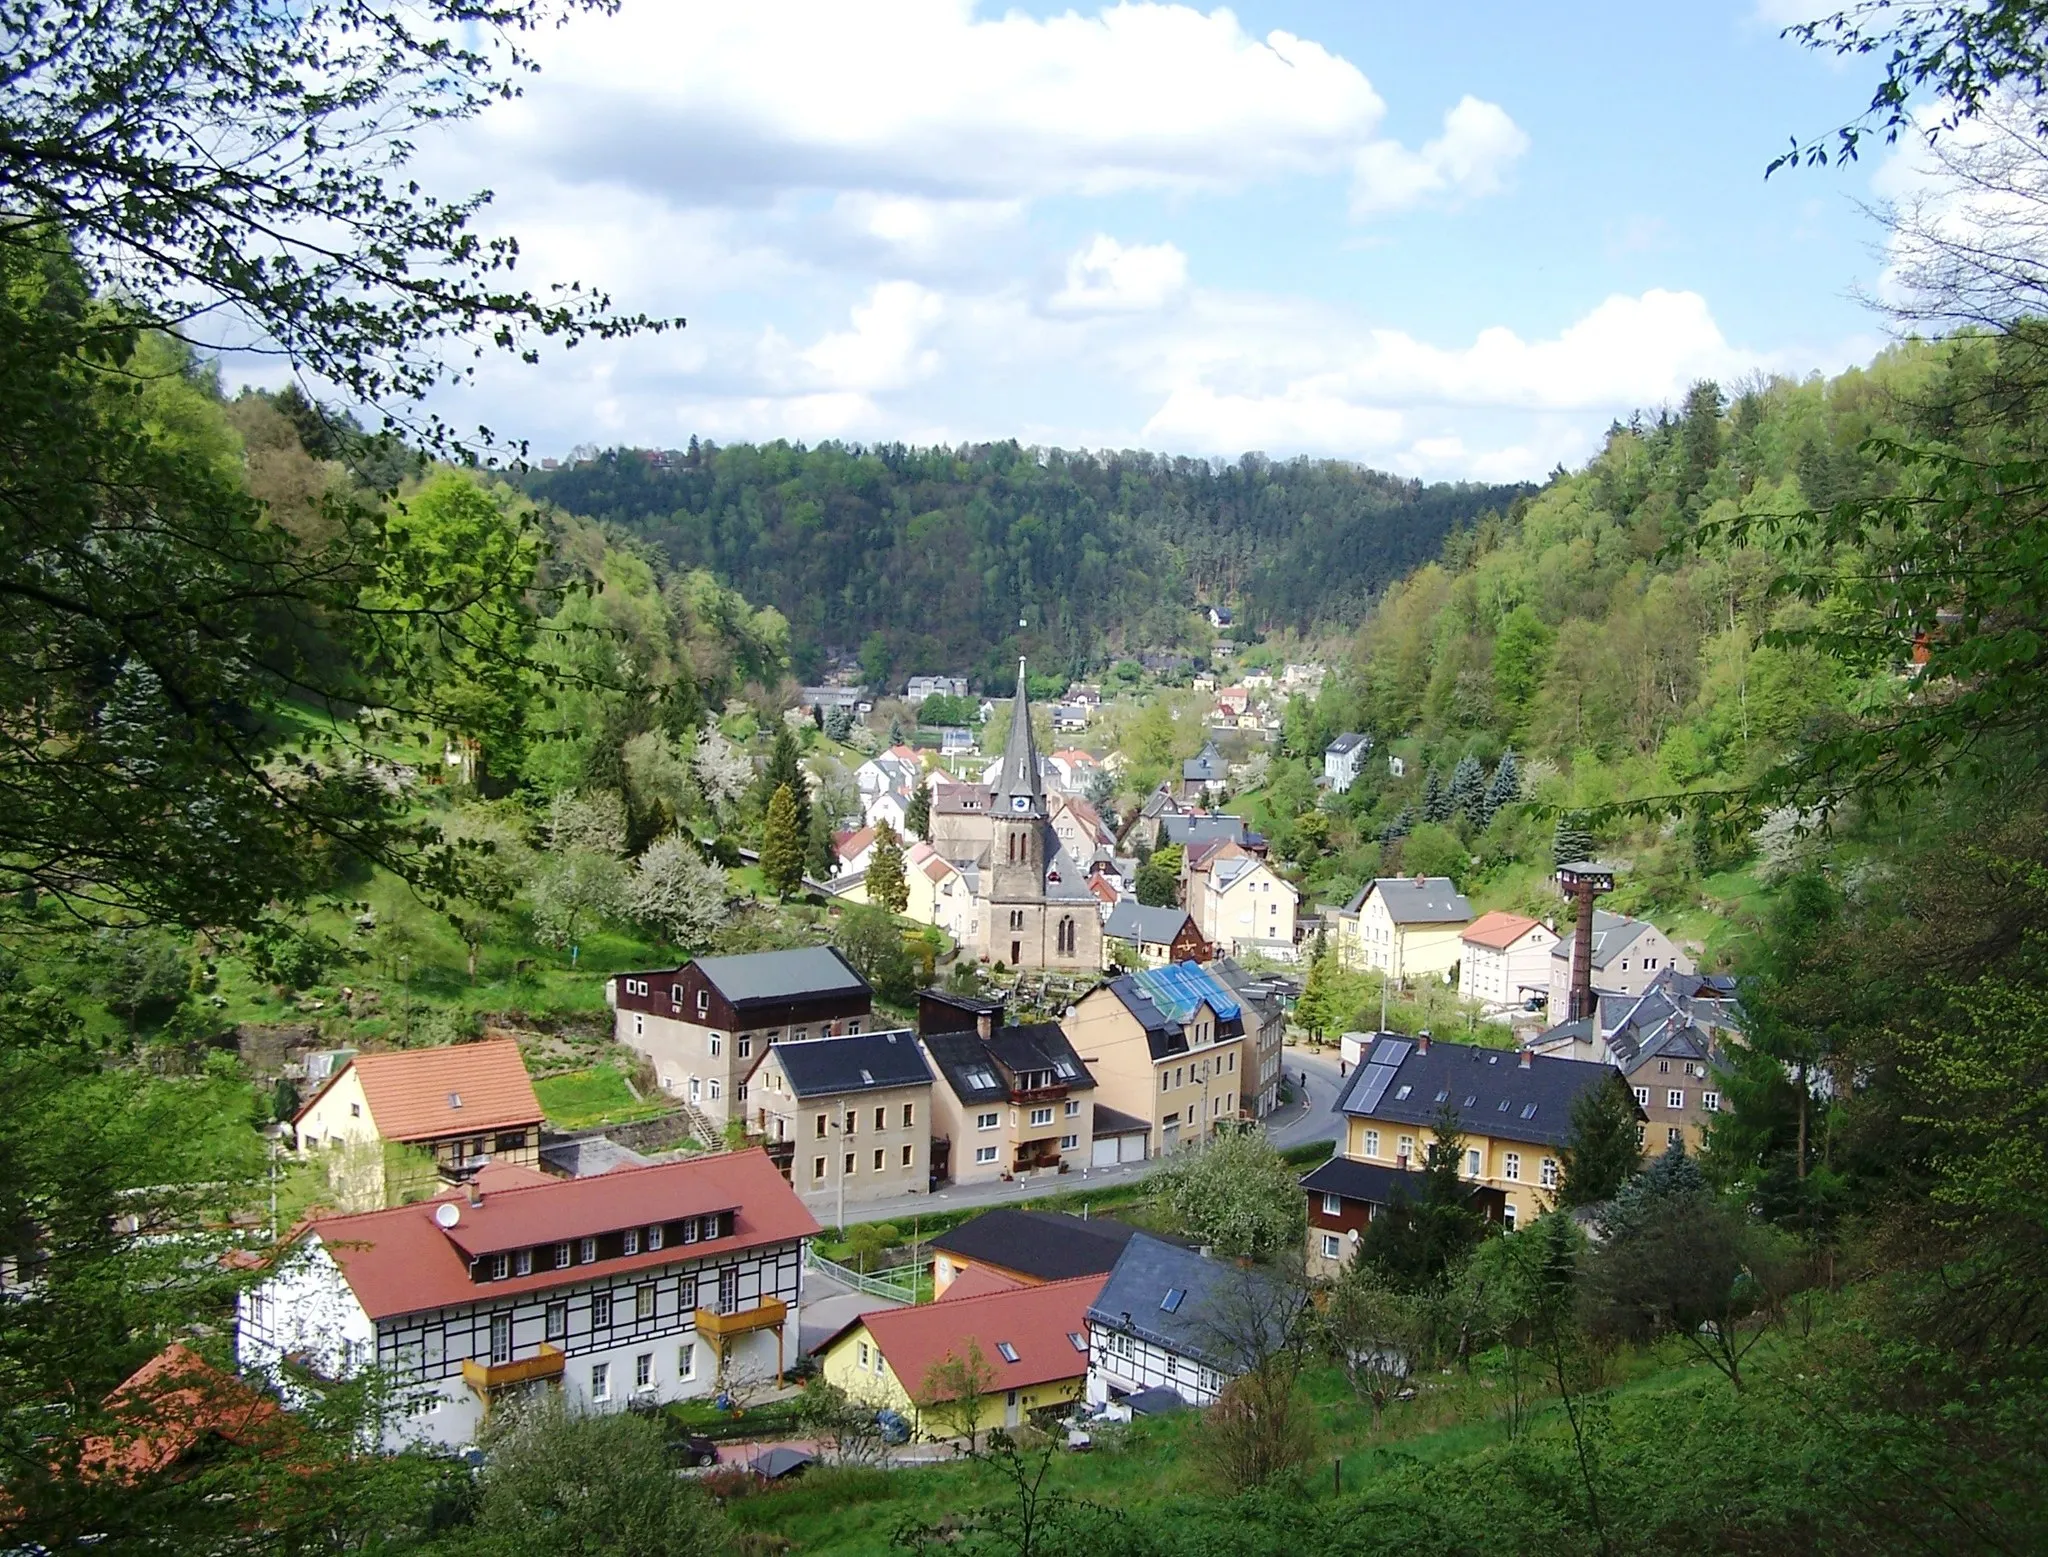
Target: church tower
(1017, 814)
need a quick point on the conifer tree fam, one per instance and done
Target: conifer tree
(917, 816)
(1571, 841)
(1468, 789)
(782, 845)
(1602, 1152)
(1400, 826)
(1504, 789)
(785, 770)
(1436, 804)
(886, 886)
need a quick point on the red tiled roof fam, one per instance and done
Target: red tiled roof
(1499, 929)
(978, 1281)
(846, 845)
(401, 1261)
(1035, 1321)
(167, 1406)
(412, 1092)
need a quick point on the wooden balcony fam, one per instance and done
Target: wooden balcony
(488, 1378)
(769, 1316)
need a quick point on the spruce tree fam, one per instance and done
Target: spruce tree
(1571, 841)
(1602, 1152)
(782, 845)
(785, 770)
(1468, 789)
(917, 816)
(1400, 826)
(1504, 790)
(1436, 804)
(886, 886)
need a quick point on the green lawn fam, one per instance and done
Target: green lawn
(600, 1095)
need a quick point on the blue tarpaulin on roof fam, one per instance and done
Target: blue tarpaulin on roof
(1178, 988)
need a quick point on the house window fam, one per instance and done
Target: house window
(1664, 1068)
(985, 1121)
(643, 1302)
(1711, 1102)
(1511, 1166)
(746, 1048)
(562, 1260)
(639, 1025)
(522, 1263)
(878, 1362)
(849, 1163)
(728, 1290)
(1675, 1098)
(1673, 1135)
(588, 1251)
(717, 1046)
(501, 1267)
(654, 1236)
(879, 1153)
(1041, 1116)
(1548, 1173)
(558, 1321)
(1016, 919)
(984, 1154)
(643, 1371)
(1069, 1142)
(632, 1243)
(821, 1127)
(1372, 1143)
(696, 1090)
(1405, 1148)
(863, 1354)
(686, 1294)
(717, 1088)
(355, 1110)
(1507, 1216)
(909, 1115)
(818, 1168)
(686, 1360)
(849, 1124)
(601, 1381)
(1333, 1247)
(882, 1119)
(1165, 1081)
(799, 1034)
(703, 1001)
(909, 1156)
(501, 1338)
(1642, 1096)
(1472, 1163)
(1073, 1109)
(1333, 1205)
(600, 1310)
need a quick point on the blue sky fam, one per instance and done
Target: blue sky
(1451, 240)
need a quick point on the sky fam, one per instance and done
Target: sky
(1449, 240)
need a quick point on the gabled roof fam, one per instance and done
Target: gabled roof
(1131, 920)
(402, 1261)
(1044, 1245)
(1494, 1093)
(848, 844)
(1417, 899)
(1034, 1325)
(1612, 935)
(1499, 929)
(1187, 830)
(1178, 1300)
(975, 1281)
(1371, 1182)
(975, 1068)
(172, 1405)
(453, 1089)
(1163, 1000)
(1349, 741)
(858, 1062)
(757, 978)
(1206, 766)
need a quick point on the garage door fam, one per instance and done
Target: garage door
(1130, 1148)
(1104, 1154)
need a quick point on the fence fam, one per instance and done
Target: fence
(873, 1286)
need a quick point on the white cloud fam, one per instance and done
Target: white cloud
(1479, 144)
(1110, 276)
(887, 347)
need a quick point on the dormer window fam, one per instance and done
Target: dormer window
(588, 1251)
(561, 1256)
(632, 1243)
(654, 1236)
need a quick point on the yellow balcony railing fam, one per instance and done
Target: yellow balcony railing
(769, 1316)
(488, 1378)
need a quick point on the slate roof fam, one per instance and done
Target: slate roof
(1206, 766)
(1162, 999)
(855, 1062)
(1131, 920)
(452, 1089)
(1018, 777)
(588, 1155)
(975, 1069)
(1160, 802)
(756, 977)
(1612, 935)
(1345, 743)
(1413, 900)
(1493, 1092)
(1196, 830)
(1044, 1245)
(1150, 1271)
(1372, 1182)
(1109, 1121)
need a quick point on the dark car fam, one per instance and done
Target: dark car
(695, 1450)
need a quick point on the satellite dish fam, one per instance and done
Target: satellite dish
(447, 1213)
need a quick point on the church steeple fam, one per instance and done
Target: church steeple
(1018, 780)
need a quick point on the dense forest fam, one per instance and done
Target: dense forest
(927, 559)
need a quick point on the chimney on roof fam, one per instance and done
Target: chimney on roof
(985, 1025)
(1422, 1041)
(1420, 879)
(1528, 1059)
(476, 1193)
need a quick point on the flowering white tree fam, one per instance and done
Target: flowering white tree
(593, 823)
(723, 771)
(679, 892)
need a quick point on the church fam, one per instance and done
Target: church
(1033, 907)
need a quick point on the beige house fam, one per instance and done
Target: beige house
(466, 1104)
(1407, 927)
(1506, 958)
(1008, 1102)
(1167, 1046)
(1628, 954)
(1240, 903)
(858, 1111)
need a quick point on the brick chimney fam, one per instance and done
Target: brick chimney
(985, 1025)
(476, 1193)
(1422, 1041)
(1528, 1059)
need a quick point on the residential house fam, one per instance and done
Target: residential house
(1145, 829)
(858, 1110)
(1514, 1113)
(940, 893)
(1506, 958)
(1343, 758)
(1028, 1247)
(1407, 927)
(174, 1411)
(1220, 617)
(1009, 1101)
(1344, 1196)
(853, 848)
(1081, 831)
(826, 699)
(1031, 1342)
(644, 1284)
(1266, 1002)
(1169, 1318)
(1204, 775)
(922, 687)
(1397, 766)
(1166, 1046)
(708, 1023)
(1305, 674)
(1241, 904)
(1069, 717)
(1088, 697)
(1232, 702)
(466, 1104)
(1627, 955)
(1148, 937)
(1073, 768)
(891, 806)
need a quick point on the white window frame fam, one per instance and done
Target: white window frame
(984, 1154)
(1333, 1203)
(1511, 1167)
(600, 1381)
(1711, 1102)
(686, 1361)
(632, 1240)
(1675, 1098)
(1333, 1246)
(1040, 1116)
(987, 1121)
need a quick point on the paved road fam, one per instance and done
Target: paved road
(1300, 1122)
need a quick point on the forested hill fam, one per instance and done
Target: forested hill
(941, 552)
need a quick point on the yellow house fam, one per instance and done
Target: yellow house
(1407, 927)
(1167, 1046)
(1025, 1346)
(1513, 1111)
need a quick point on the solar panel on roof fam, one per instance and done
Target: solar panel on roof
(1374, 1087)
(1391, 1051)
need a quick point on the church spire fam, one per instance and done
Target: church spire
(1019, 774)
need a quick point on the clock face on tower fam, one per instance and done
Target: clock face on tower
(1020, 802)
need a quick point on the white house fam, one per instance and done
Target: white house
(1342, 759)
(1506, 959)
(922, 687)
(645, 1284)
(1627, 955)
(1168, 1318)
(1240, 903)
